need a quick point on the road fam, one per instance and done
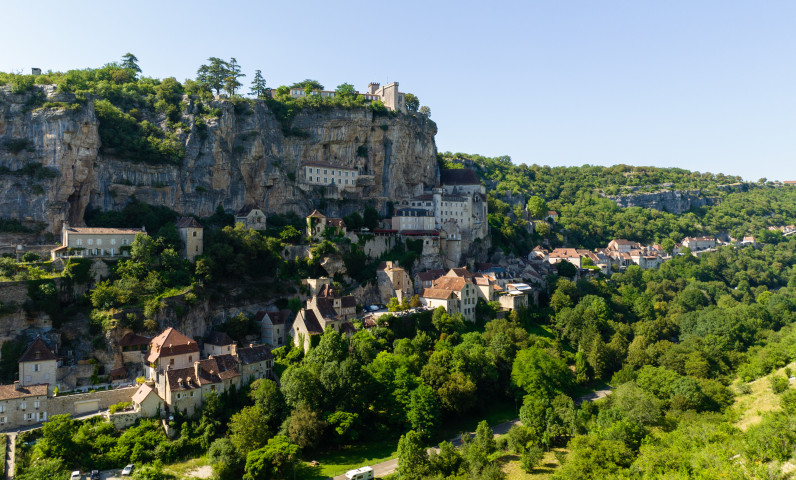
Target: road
(389, 466)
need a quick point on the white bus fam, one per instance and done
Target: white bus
(362, 473)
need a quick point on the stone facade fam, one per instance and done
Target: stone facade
(95, 242)
(192, 236)
(251, 216)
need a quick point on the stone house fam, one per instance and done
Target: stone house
(192, 236)
(146, 401)
(513, 300)
(218, 343)
(322, 312)
(134, 347)
(95, 242)
(255, 362)
(426, 279)
(393, 281)
(413, 219)
(465, 296)
(274, 326)
(621, 245)
(22, 405)
(184, 389)
(570, 255)
(388, 95)
(317, 223)
(251, 217)
(38, 365)
(699, 243)
(169, 350)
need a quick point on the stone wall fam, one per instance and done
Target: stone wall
(66, 403)
(122, 420)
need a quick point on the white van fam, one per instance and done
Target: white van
(362, 473)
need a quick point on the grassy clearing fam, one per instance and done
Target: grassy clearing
(548, 466)
(183, 470)
(348, 458)
(750, 407)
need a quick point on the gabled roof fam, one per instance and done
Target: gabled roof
(326, 308)
(459, 272)
(143, 391)
(458, 176)
(37, 351)
(188, 222)
(316, 214)
(310, 321)
(438, 293)
(348, 302)
(246, 209)
(219, 338)
(133, 340)
(254, 354)
(104, 231)
(170, 343)
(336, 222)
(430, 275)
(277, 318)
(8, 392)
(450, 283)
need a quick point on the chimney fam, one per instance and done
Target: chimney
(196, 369)
(17, 385)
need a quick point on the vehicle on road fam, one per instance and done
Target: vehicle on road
(362, 473)
(95, 475)
(128, 470)
(75, 475)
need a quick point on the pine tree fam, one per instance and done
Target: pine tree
(258, 85)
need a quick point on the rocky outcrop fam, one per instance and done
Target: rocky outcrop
(672, 201)
(241, 156)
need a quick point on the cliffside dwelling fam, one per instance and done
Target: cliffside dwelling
(317, 223)
(455, 291)
(192, 236)
(393, 281)
(251, 217)
(325, 173)
(388, 95)
(327, 309)
(274, 326)
(95, 241)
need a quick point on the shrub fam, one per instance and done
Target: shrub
(778, 384)
(119, 406)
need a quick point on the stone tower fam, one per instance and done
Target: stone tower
(191, 234)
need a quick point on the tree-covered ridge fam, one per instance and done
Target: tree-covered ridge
(588, 219)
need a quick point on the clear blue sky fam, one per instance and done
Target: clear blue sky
(703, 85)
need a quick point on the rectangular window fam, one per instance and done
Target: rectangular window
(42, 415)
(36, 367)
(23, 406)
(36, 404)
(3, 420)
(324, 171)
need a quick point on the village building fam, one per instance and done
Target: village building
(134, 347)
(274, 326)
(95, 241)
(425, 279)
(413, 219)
(570, 255)
(169, 350)
(38, 365)
(317, 223)
(393, 281)
(326, 173)
(388, 95)
(621, 245)
(146, 401)
(256, 362)
(22, 404)
(251, 216)
(456, 293)
(218, 343)
(322, 311)
(699, 243)
(192, 236)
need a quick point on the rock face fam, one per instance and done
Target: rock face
(242, 156)
(674, 201)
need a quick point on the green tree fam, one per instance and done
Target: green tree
(130, 62)
(258, 88)
(290, 234)
(537, 208)
(305, 427)
(273, 461)
(425, 111)
(226, 459)
(346, 90)
(233, 73)
(49, 468)
(531, 458)
(535, 371)
(308, 84)
(423, 413)
(478, 450)
(213, 75)
(249, 429)
(412, 456)
(371, 217)
(411, 102)
(57, 439)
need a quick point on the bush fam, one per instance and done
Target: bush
(119, 407)
(531, 458)
(778, 384)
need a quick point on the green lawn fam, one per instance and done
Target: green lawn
(348, 458)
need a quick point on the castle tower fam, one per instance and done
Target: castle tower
(192, 236)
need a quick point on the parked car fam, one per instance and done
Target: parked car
(75, 475)
(128, 470)
(95, 475)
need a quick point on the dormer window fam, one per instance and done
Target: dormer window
(38, 355)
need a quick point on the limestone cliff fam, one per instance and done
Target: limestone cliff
(241, 156)
(672, 201)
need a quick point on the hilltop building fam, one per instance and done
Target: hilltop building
(317, 223)
(388, 95)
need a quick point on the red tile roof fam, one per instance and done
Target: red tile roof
(37, 351)
(170, 343)
(8, 392)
